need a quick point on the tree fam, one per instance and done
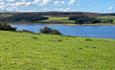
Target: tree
(7, 27)
(48, 30)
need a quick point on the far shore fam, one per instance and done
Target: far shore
(68, 24)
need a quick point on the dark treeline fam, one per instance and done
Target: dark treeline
(45, 30)
(36, 16)
(89, 14)
(7, 27)
(22, 17)
(88, 20)
(68, 14)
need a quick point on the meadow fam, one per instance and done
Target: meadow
(65, 20)
(58, 20)
(27, 51)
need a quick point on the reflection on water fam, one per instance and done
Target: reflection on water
(88, 31)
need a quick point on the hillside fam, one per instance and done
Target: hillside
(47, 17)
(26, 51)
(67, 14)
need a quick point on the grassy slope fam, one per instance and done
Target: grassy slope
(58, 20)
(64, 20)
(24, 51)
(107, 17)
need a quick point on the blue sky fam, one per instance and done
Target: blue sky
(102, 6)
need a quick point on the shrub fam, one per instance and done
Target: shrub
(7, 27)
(96, 21)
(110, 21)
(81, 20)
(27, 31)
(107, 21)
(48, 30)
(88, 40)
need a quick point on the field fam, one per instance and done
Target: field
(65, 20)
(26, 51)
(58, 20)
(107, 17)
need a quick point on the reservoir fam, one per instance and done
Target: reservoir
(76, 30)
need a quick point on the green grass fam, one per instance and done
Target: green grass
(58, 20)
(65, 20)
(26, 51)
(107, 17)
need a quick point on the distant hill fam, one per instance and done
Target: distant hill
(54, 14)
(14, 16)
(108, 14)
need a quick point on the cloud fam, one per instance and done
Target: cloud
(36, 1)
(41, 2)
(59, 3)
(11, 5)
(110, 8)
(22, 3)
(62, 2)
(56, 2)
(71, 2)
(45, 2)
(10, 0)
(67, 9)
(14, 5)
(2, 5)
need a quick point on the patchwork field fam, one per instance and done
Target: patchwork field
(26, 51)
(58, 20)
(65, 20)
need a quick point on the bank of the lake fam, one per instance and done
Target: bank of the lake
(26, 51)
(71, 23)
(66, 21)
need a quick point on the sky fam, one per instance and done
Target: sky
(100, 6)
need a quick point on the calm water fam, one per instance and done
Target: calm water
(86, 31)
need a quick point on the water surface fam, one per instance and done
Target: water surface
(86, 31)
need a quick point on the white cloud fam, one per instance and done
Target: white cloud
(22, 3)
(45, 2)
(10, 0)
(36, 1)
(59, 3)
(71, 2)
(56, 2)
(12, 5)
(62, 2)
(41, 2)
(9, 5)
(67, 9)
(2, 5)
(110, 8)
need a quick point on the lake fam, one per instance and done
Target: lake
(76, 30)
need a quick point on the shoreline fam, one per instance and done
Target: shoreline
(85, 37)
(67, 24)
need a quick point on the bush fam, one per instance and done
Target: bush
(107, 21)
(110, 21)
(48, 30)
(96, 21)
(81, 20)
(88, 40)
(7, 27)
(27, 31)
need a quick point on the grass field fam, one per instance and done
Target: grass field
(25, 51)
(58, 20)
(65, 20)
(107, 17)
